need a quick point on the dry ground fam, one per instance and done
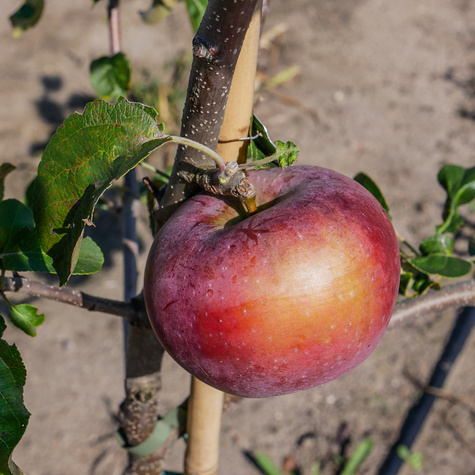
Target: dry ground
(384, 87)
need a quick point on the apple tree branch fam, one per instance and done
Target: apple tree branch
(461, 294)
(216, 47)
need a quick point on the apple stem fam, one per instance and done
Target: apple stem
(250, 205)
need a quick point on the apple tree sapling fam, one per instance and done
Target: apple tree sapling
(288, 298)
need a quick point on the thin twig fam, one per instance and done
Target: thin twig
(444, 394)
(128, 310)
(457, 295)
(113, 13)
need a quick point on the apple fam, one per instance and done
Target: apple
(291, 297)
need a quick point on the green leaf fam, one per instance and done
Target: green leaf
(13, 414)
(158, 10)
(414, 282)
(261, 146)
(414, 460)
(265, 464)
(110, 76)
(91, 258)
(405, 283)
(358, 457)
(28, 257)
(411, 285)
(25, 317)
(439, 243)
(20, 247)
(26, 16)
(443, 265)
(450, 177)
(263, 150)
(286, 153)
(368, 183)
(459, 184)
(284, 156)
(196, 10)
(5, 169)
(83, 158)
(14, 217)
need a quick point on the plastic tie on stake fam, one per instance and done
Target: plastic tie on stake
(172, 420)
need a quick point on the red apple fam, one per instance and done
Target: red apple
(286, 299)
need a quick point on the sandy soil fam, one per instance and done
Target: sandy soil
(384, 87)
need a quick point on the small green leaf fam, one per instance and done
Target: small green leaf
(28, 257)
(413, 282)
(13, 414)
(110, 76)
(26, 16)
(358, 457)
(90, 258)
(265, 464)
(422, 283)
(266, 152)
(414, 460)
(25, 317)
(439, 243)
(14, 217)
(261, 146)
(286, 153)
(443, 265)
(405, 283)
(83, 158)
(368, 183)
(5, 169)
(158, 10)
(20, 247)
(196, 10)
(459, 184)
(450, 178)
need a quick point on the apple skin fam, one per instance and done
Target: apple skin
(289, 298)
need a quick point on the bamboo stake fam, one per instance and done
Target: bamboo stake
(206, 403)
(203, 427)
(241, 97)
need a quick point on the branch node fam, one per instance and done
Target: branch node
(228, 182)
(201, 50)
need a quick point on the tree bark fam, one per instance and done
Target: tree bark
(216, 47)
